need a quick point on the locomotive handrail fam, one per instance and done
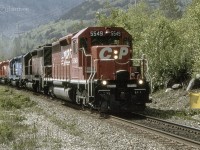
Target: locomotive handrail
(44, 73)
(114, 61)
(122, 63)
(147, 75)
(88, 82)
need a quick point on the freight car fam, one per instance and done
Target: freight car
(93, 67)
(4, 71)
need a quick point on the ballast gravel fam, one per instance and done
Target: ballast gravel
(58, 127)
(63, 128)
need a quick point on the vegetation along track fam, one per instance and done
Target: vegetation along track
(174, 135)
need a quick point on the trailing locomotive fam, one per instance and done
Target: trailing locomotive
(93, 67)
(15, 71)
(4, 71)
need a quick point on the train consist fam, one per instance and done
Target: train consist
(92, 67)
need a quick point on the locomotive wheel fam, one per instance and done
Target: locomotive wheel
(104, 106)
(51, 92)
(46, 90)
(141, 107)
(104, 109)
(82, 105)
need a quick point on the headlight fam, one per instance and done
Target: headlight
(115, 52)
(104, 82)
(140, 81)
(115, 57)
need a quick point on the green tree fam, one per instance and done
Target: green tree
(169, 61)
(171, 8)
(190, 28)
(77, 26)
(4, 47)
(16, 50)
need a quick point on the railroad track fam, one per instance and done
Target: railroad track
(172, 134)
(169, 133)
(175, 135)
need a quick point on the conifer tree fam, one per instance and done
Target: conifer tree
(171, 8)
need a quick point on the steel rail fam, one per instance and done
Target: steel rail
(161, 133)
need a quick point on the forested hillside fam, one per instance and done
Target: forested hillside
(44, 34)
(88, 9)
(167, 31)
(23, 15)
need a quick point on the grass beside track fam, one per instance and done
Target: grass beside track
(26, 125)
(13, 133)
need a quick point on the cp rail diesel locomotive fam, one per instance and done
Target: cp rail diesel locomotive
(92, 67)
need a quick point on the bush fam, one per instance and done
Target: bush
(10, 100)
(6, 133)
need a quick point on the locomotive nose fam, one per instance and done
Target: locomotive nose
(122, 75)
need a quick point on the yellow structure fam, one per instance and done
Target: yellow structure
(195, 100)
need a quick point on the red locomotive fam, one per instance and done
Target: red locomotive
(93, 67)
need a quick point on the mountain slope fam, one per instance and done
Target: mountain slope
(89, 8)
(22, 15)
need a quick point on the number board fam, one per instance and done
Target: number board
(102, 33)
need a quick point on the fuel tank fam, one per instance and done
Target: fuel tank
(3, 81)
(63, 93)
(14, 83)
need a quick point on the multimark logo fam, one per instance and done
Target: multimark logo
(4, 9)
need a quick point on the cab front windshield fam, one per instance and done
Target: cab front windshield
(105, 40)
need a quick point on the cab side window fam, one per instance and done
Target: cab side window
(127, 41)
(75, 46)
(84, 43)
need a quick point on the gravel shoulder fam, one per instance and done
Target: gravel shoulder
(174, 106)
(61, 127)
(54, 126)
